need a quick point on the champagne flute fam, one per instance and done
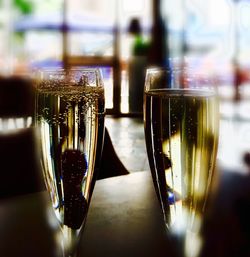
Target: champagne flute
(70, 118)
(181, 121)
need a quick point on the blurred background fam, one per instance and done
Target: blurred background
(122, 38)
(119, 36)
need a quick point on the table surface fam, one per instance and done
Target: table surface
(125, 219)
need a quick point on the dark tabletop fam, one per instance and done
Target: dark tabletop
(125, 220)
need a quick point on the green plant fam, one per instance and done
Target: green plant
(25, 6)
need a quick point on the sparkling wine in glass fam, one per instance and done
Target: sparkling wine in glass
(70, 119)
(181, 118)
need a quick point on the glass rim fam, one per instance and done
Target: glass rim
(181, 78)
(176, 69)
(186, 70)
(94, 74)
(75, 68)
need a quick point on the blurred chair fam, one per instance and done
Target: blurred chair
(20, 171)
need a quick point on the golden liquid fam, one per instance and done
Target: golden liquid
(181, 129)
(71, 123)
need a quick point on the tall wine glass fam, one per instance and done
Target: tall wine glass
(181, 118)
(70, 119)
